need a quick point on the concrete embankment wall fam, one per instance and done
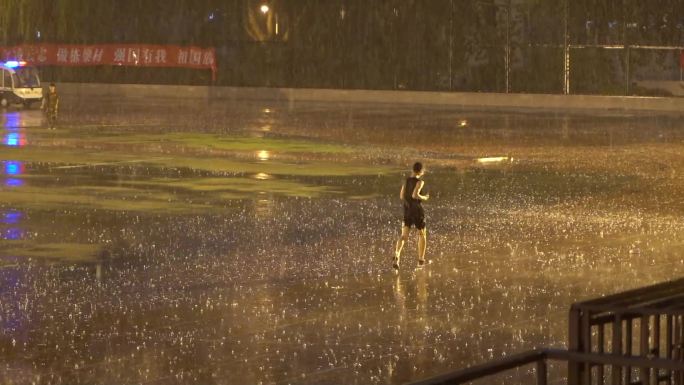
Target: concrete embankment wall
(460, 99)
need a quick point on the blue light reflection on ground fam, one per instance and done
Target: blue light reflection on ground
(14, 139)
(13, 167)
(13, 182)
(11, 217)
(12, 120)
(13, 234)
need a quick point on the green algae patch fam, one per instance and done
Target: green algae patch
(62, 252)
(238, 188)
(309, 168)
(276, 145)
(73, 158)
(223, 142)
(104, 198)
(68, 156)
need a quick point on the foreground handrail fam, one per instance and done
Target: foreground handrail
(486, 369)
(540, 356)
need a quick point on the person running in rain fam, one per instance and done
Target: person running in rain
(51, 105)
(411, 195)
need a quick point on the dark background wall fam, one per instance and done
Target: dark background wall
(460, 45)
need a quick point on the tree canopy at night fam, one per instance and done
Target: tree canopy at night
(386, 44)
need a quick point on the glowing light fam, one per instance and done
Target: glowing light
(14, 63)
(267, 110)
(262, 176)
(463, 123)
(493, 159)
(14, 168)
(264, 9)
(15, 139)
(264, 155)
(12, 139)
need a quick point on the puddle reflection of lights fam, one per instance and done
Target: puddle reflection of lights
(13, 167)
(13, 120)
(14, 182)
(463, 123)
(263, 176)
(15, 139)
(493, 159)
(264, 207)
(13, 234)
(11, 217)
(264, 155)
(267, 110)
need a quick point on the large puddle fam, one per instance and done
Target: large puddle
(250, 242)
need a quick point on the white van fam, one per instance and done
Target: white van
(19, 84)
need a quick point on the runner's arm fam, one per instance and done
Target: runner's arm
(416, 192)
(401, 193)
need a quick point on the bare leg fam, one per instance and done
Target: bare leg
(422, 245)
(400, 245)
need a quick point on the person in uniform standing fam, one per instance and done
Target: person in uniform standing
(51, 106)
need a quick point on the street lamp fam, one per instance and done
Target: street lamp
(264, 9)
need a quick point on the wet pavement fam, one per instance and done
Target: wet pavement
(177, 242)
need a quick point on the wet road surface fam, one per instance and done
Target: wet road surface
(250, 242)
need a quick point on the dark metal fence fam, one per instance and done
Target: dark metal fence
(645, 323)
(631, 338)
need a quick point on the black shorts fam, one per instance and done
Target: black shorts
(414, 216)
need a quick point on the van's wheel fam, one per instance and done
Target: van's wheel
(4, 103)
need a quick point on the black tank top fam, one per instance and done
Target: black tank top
(408, 191)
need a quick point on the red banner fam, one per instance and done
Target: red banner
(681, 59)
(136, 55)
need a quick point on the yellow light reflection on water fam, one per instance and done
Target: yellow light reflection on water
(263, 176)
(492, 159)
(264, 208)
(264, 155)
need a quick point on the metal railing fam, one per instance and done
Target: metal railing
(646, 322)
(631, 338)
(541, 357)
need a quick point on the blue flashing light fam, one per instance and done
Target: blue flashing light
(14, 63)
